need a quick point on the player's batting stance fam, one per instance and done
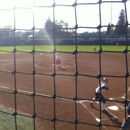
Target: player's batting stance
(98, 93)
(126, 123)
(58, 61)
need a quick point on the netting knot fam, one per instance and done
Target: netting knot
(76, 26)
(125, 102)
(54, 119)
(125, 51)
(14, 72)
(14, 114)
(99, 76)
(76, 74)
(33, 51)
(124, 1)
(15, 91)
(76, 122)
(14, 30)
(34, 72)
(100, 51)
(99, 27)
(100, 1)
(127, 75)
(33, 28)
(54, 96)
(100, 124)
(75, 52)
(54, 51)
(15, 50)
(54, 74)
(54, 5)
(33, 94)
(75, 99)
(75, 4)
(34, 116)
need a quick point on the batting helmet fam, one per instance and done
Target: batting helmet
(105, 80)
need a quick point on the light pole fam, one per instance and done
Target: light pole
(111, 21)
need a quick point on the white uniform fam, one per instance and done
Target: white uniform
(103, 86)
(98, 93)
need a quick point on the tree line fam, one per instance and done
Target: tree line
(60, 29)
(121, 28)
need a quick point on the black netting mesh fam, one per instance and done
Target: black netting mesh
(33, 94)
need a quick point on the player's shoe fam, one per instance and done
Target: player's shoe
(104, 111)
(91, 103)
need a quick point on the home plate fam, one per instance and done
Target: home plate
(115, 108)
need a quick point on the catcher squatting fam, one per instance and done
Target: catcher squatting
(126, 122)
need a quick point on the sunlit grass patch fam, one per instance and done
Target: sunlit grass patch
(7, 121)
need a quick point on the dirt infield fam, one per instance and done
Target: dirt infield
(66, 87)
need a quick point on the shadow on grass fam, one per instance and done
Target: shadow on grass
(7, 121)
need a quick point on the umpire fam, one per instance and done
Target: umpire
(126, 123)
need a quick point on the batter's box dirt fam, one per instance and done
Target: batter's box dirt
(61, 88)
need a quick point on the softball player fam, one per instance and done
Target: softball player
(58, 60)
(126, 123)
(94, 48)
(98, 93)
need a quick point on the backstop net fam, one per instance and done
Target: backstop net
(36, 93)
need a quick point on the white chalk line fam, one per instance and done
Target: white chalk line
(81, 102)
(37, 65)
(4, 87)
(113, 116)
(98, 102)
(26, 92)
(97, 119)
(127, 91)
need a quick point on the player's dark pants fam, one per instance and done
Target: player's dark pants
(99, 97)
(125, 124)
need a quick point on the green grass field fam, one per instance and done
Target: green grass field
(71, 48)
(6, 120)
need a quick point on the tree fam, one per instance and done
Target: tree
(112, 29)
(48, 26)
(120, 28)
(108, 29)
(41, 33)
(58, 28)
